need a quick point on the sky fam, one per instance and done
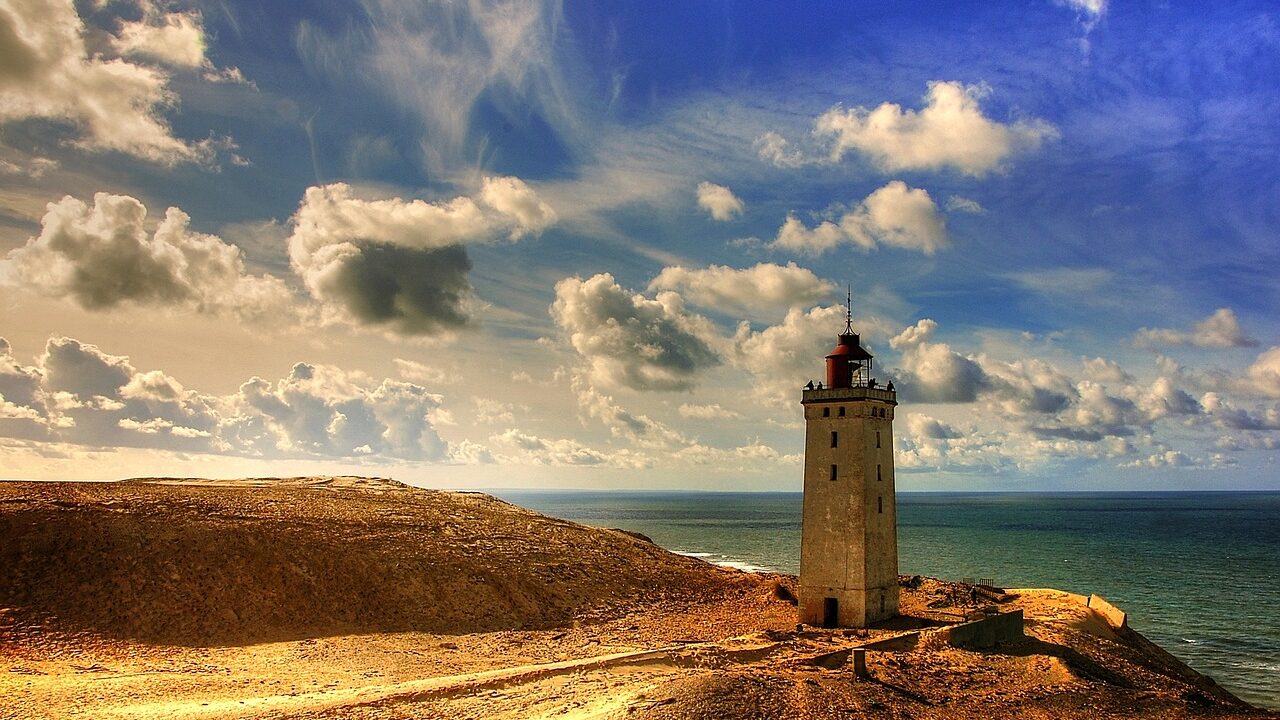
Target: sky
(605, 244)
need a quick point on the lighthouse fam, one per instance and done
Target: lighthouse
(849, 533)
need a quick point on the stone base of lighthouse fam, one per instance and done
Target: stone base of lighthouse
(847, 607)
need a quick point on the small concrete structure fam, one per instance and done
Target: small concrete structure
(860, 663)
(988, 632)
(849, 531)
(1114, 616)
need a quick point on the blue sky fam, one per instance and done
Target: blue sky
(604, 244)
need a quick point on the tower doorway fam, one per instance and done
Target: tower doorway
(830, 612)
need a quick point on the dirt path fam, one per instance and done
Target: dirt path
(592, 686)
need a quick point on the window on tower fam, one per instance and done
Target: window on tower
(833, 472)
(880, 504)
(835, 439)
(826, 412)
(877, 438)
(842, 411)
(877, 473)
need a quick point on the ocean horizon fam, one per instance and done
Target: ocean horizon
(1198, 572)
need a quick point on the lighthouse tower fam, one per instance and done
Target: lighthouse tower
(849, 536)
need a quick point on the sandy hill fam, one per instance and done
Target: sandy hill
(361, 598)
(199, 562)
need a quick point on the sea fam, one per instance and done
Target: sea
(1197, 572)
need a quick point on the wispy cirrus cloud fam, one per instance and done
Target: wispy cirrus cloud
(1088, 13)
(453, 64)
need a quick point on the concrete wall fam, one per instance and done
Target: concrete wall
(1114, 616)
(849, 541)
(898, 643)
(987, 632)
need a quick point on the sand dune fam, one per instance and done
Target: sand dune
(197, 562)
(359, 598)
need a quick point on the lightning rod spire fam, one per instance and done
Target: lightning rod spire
(848, 309)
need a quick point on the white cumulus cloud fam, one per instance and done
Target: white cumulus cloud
(102, 256)
(950, 131)
(719, 201)
(632, 341)
(936, 373)
(47, 72)
(1263, 376)
(78, 394)
(764, 288)
(782, 357)
(175, 39)
(1220, 330)
(895, 215)
(402, 264)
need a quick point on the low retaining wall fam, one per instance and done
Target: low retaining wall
(897, 643)
(1114, 616)
(987, 632)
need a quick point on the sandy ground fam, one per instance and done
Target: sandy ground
(625, 631)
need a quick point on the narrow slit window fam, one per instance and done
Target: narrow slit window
(833, 472)
(877, 438)
(835, 439)
(826, 412)
(880, 504)
(877, 473)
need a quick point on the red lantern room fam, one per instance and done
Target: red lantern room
(849, 364)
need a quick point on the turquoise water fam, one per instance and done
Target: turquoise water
(1199, 573)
